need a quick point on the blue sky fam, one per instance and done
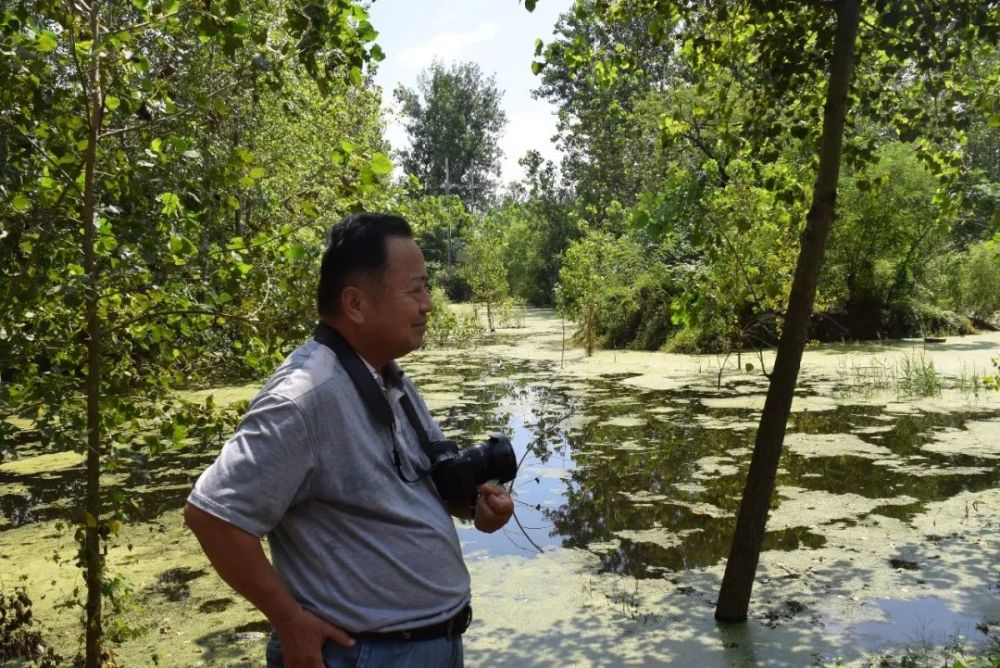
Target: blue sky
(498, 35)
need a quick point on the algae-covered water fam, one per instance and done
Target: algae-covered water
(882, 532)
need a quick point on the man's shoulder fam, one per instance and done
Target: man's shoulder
(310, 369)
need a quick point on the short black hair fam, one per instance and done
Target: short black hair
(355, 245)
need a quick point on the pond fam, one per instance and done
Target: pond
(631, 471)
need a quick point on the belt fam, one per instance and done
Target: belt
(450, 628)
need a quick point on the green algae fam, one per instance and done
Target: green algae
(223, 397)
(39, 464)
(649, 483)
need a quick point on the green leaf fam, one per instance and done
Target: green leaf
(257, 173)
(171, 203)
(295, 252)
(47, 42)
(310, 210)
(182, 246)
(112, 102)
(381, 164)
(20, 203)
(536, 67)
(530, 5)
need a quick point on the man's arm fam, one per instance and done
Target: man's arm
(239, 559)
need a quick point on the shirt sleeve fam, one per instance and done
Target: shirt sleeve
(262, 470)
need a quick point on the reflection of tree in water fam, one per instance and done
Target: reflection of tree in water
(904, 436)
(641, 493)
(647, 480)
(550, 408)
(625, 481)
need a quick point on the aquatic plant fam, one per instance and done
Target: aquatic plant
(993, 382)
(913, 375)
(918, 377)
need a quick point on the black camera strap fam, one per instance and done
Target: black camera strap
(371, 394)
(418, 426)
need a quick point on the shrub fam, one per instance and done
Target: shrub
(448, 326)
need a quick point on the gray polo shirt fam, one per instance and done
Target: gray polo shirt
(309, 467)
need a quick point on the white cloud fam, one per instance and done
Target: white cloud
(525, 132)
(445, 46)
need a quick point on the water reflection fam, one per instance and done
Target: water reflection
(650, 481)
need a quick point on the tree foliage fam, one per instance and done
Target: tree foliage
(139, 228)
(454, 119)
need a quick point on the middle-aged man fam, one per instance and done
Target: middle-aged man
(368, 569)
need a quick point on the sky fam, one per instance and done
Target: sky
(498, 35)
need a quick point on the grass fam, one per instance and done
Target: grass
(911, 376)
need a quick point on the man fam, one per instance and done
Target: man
(367, 564)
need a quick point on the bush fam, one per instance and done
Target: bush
(447, 326)
(697, 339)
(509, 314)
(979, 280)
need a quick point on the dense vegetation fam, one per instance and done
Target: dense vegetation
(168, 171)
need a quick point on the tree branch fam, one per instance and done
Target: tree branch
(169, 117)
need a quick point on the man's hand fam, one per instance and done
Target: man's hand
(302, 637)
(239, 560)
(493, 508)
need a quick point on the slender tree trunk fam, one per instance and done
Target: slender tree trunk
(737, 583)
(92, 547)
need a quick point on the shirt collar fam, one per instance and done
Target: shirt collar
(391, 373)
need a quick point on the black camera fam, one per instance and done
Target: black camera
(457, 474)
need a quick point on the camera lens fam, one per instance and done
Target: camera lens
(494, 460)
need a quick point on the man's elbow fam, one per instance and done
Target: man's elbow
(194, 517)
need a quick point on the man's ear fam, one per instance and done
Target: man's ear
(352, 302)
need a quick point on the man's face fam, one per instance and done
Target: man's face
(396, 308)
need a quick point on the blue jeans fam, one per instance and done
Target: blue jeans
(438, 653)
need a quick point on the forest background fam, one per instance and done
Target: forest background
(168, 171)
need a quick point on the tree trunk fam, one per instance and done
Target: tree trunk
(737, 583)
(92, 517)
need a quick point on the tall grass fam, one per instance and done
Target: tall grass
(911, 376)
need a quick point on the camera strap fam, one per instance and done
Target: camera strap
(371, 394)
(418, 426)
